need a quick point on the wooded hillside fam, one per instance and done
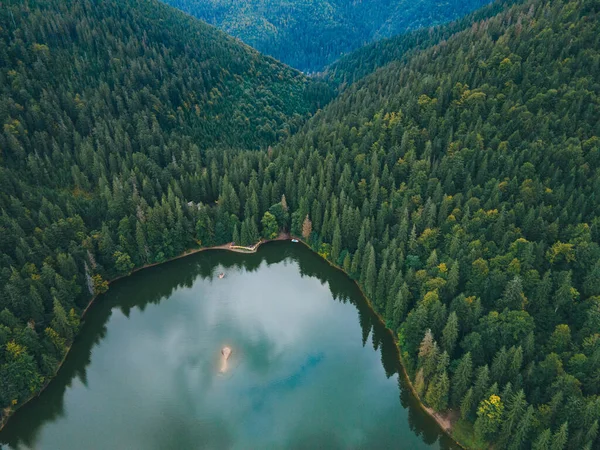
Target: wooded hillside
(309, 34)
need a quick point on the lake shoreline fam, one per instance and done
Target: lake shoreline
(444, 424)
(228, 247)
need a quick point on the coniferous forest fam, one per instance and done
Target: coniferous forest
(458, 183)
(310, 34)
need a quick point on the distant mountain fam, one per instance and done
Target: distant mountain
(309, 34)
(359, 63)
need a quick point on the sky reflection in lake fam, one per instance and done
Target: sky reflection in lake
(145, 372)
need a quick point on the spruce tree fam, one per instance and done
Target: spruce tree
(347, 263)
(515, 408)
(466, 405)
(450, 333)
(336, 246)
(370, 273)
(560, 438)
(401, 303)
(543, 441)
(461, 380)
(437, 393)
(521, 437)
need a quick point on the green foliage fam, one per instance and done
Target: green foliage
(360, 63)
(269, 226)
(437, 394)
(309, 34)
(60, 322)
(100, 285)
(123, 263)
(461, 382)
(19, 375)
(466, 404)
(560, 438)
(450, 333)
(544, 441)
(489, 417)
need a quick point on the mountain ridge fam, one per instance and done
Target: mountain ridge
(310, 34)
(365, 60)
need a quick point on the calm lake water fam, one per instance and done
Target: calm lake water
(311, 366)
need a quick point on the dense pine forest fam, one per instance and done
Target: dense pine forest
(458, 185)
(309, 34)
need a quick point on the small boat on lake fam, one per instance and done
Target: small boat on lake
(294, 240)
(221, 276)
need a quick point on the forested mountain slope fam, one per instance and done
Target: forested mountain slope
(461, 189)
(144, 55)
(104, 105)
(309, 34)
(364, 61)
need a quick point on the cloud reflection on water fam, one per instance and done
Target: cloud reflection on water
(149, 354)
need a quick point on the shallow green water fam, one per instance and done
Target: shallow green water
(311, 367)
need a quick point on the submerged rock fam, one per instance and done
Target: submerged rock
(225, 352)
